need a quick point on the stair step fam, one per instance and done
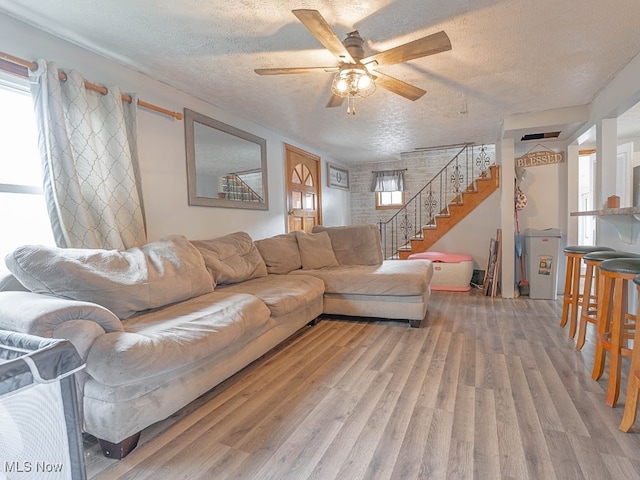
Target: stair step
(455, 212)
(478, 189)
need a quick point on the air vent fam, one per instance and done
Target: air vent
(539, 136)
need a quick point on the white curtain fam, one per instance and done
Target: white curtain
(388, 181)
(90, 162)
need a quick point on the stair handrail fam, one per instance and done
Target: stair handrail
(255, 197)
(436, 207)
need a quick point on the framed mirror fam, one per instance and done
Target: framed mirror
(226, 166)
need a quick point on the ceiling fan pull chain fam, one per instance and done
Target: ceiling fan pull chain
(351, 105)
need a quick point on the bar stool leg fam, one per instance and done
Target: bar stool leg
(633, 387)
(585, 311)
(575, 296)
(566, 299)
(631, 402)
(602, 323)
(617, 323)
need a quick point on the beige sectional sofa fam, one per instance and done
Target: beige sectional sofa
(160, 325)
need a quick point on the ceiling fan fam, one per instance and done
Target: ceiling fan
(357, 74)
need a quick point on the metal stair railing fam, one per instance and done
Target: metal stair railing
(446, 187)
(235, 188)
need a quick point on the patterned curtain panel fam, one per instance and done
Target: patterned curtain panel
(388, 181)
(90, 162)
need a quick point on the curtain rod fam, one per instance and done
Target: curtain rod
(438, 147)
(391, 170)
(88, 85)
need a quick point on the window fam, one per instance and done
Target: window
(388, 200)
(23, 212)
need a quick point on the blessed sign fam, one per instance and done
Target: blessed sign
(533, 159)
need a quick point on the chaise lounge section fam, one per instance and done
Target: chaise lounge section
(364, 285)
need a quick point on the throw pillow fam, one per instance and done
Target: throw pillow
(315, 250)
(280, 253)
(355, 244)
(232, 258)
(125, 282)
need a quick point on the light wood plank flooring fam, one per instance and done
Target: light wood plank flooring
(490, 389)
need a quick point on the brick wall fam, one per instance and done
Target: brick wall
(420, 168)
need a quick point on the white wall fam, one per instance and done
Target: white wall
(544, 186)
(547, 203)
(473, 233)
(162, 147)
(336, 203)
(505, 154)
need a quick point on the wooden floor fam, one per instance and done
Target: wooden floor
(490, 389)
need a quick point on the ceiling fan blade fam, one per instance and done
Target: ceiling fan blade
(430, 45)
(320, 29)
(293, 70)
(398, 87)
(335, 101)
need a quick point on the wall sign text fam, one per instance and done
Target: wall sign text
(533, 159)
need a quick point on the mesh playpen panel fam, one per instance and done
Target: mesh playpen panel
(40, 435)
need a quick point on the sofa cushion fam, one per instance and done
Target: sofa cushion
(355, 244)
(281, 293)
(280, 253)
(175, 336)
(315, 250)
(125, 282)
(392, 277)
(232, 258)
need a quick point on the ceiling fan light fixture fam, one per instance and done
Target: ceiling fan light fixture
(364, 82)
(341, 86)
(353, 82)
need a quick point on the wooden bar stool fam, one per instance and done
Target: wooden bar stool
(615, 325)
(588, 301)
(633, 386)
(574, 254)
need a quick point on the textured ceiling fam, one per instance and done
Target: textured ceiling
(508, 57)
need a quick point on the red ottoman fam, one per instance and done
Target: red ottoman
(451, 271)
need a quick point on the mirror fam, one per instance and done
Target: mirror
(226, 167)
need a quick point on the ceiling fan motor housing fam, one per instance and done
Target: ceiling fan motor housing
(353, 43)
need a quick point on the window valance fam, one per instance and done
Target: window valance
(388, 181)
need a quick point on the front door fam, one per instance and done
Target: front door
(303, 189)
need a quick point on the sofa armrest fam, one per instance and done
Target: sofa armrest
(45, 315)
(81, 333)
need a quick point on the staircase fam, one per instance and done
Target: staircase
(463, 184)
(459, 208)
(235, 188)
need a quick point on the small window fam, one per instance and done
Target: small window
(388, 200)
(302, 176)
(23, 212)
